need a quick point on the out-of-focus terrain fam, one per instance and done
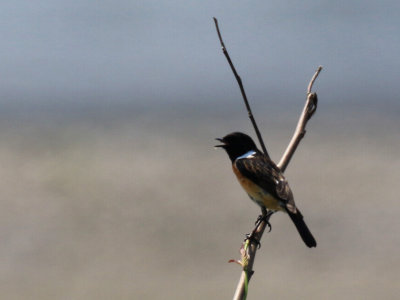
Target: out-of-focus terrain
(138, 205)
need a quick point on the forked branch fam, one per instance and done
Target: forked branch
(249, 248)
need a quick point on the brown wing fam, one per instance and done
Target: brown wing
(263, 171)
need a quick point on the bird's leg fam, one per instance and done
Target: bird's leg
(264, 217)
(266, 214)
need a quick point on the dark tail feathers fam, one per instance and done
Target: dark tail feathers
(302, 228)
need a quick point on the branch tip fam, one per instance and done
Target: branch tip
(309, 88)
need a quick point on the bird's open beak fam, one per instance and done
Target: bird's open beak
(220, 146)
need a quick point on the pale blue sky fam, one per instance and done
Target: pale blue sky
(151, 51)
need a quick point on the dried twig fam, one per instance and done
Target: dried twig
(309, 109)
(239, 81)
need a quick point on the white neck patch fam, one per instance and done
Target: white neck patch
(249, 154)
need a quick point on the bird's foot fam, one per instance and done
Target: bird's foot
(252, 239)
(264, 217)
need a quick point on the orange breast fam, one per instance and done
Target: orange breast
(256, 193)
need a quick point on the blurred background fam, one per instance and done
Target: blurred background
(111, 189)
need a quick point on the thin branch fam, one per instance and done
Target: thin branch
(309, 109)
(239, 81)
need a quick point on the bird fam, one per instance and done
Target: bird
(263, 181)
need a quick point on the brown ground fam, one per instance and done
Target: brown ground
(145, 208)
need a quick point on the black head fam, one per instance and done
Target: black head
(237, 144)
